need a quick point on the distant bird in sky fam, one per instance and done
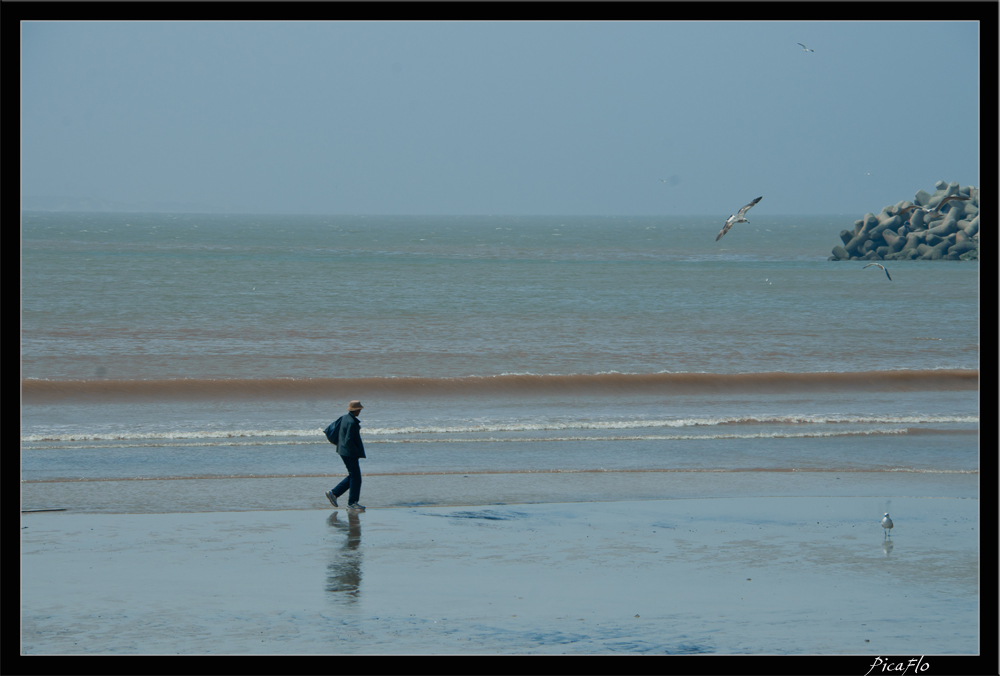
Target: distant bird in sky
(886, 274)
(886, 523)
(804, 48)
(738, 217)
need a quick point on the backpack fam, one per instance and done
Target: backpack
(332, 432)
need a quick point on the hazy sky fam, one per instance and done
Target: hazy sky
(500, 118)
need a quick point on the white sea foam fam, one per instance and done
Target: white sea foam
(493, 440)
(486, 428)
(685, 422)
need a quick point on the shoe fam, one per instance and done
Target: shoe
(356, 507)
(332, 498)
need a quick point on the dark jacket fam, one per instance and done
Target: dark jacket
(349, 442)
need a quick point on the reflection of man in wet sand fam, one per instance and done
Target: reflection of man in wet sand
(344, 572)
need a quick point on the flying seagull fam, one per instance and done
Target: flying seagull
(947, 199)
(804, 48)
(886, 523)
(905, 214)
(886, 274)
(737, 218)
(927, 210)
(906, 211)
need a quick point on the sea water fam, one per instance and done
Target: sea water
(205, 346)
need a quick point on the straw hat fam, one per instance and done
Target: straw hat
(355, 406)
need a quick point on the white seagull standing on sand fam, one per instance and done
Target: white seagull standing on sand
(736, 218)
(886, 274)
(804, 48)
(886, 523)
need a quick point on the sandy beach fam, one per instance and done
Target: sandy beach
(737, 575)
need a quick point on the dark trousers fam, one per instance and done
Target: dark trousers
(352, 481)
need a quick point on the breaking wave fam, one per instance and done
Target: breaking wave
(371, 432)
(315, 437)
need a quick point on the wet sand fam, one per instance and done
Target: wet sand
(736, 575)
(423, 490)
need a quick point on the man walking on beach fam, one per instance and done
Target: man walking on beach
(345, 432)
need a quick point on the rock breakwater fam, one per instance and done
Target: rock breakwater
(931, 227)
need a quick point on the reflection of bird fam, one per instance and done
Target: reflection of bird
(886, 274)
(804, 48)
(886, 523)
(737, 218)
